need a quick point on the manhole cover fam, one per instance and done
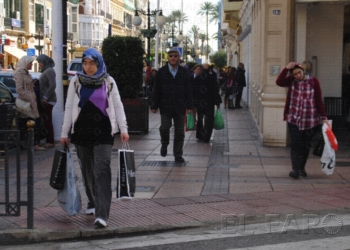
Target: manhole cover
(163, 164)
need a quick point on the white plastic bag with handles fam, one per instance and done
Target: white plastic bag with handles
(328, 155)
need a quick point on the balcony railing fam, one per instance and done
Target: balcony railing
(8, 24)
(102, 13)
(109, 16)
(117, 22)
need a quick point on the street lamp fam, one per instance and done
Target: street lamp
(32, 40)
(73, 48)
(149, 33)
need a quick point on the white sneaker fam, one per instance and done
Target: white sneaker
(100, 223)
(90, 211)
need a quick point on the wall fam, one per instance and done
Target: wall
(325, 40)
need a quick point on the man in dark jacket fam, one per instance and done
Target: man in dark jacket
(241, 83)
(172, 94)
(206, 92)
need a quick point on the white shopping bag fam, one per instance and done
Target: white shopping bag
(328, 155)
(69, 197)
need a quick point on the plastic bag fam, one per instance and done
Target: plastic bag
(328, 155)
(190, 124)
(69, 197)
(218, 120)
(331, 137)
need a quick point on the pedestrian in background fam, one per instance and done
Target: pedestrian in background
(228, 88)
(304, 110)
(197, 69)
(241, 83)
(25, 91)
(150, 84)
(206, 93)
(172, 95)
(93, 113)
(48, 96)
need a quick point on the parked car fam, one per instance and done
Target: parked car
(74, 66)
(6, 94)
(6, 77)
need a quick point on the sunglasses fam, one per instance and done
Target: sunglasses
(173, 56)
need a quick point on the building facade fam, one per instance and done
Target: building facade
(272, 33)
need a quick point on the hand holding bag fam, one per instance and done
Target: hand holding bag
(58, 171)
(126, 181)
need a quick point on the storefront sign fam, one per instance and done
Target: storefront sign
(276, 12)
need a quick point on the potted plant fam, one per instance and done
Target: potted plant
(123, 57)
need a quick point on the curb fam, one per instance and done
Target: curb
(31, 236)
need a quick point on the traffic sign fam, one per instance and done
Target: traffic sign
(30, 52)
(180, 50)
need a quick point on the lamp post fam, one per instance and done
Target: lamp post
(32, 40)
(73, 48)
(148, 33)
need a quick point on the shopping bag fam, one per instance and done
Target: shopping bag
(318, 150)
(58, 171)
(126, 181)
(331, 137)
(190, 124)
(218, 120)
(328, 155)
(69, 197)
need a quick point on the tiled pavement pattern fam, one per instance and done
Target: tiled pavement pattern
(234, 174)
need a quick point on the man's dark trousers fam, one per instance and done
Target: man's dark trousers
(179, 137)
(239, 96)
(206, 115)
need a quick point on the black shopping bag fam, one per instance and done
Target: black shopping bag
(126, 181)
(59, 167)
(318, 150)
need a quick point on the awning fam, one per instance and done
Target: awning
(16, 52)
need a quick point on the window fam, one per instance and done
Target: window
(39, 13)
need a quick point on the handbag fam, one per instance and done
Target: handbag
(58, 171)
(69, 197)
(23, 106)
(126, 181)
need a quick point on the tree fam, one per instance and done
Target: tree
(179, 17)
(219, 59)
(202, 37)
(206, 8)
(214, 14)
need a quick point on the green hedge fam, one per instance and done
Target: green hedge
(123, 57)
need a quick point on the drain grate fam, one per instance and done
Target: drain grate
(163, 164)
(213, 165)
(145, 189)
(342, 164)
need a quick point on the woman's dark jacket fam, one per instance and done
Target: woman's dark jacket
(172, 94)
(206, 90)
(240, 77)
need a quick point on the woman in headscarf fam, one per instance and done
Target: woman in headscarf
(25, 91)
(93, 113)
(47, 95)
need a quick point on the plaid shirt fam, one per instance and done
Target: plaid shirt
(304, 104)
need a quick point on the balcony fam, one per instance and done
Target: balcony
(8, 24)
(102, 13)
(119, 23)
(231, 13)
(109, 16)
(229, 5)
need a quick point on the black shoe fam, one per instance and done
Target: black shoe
(163, 151)
(179, 159)
(294, 174)
(302, 173)
(239, 107)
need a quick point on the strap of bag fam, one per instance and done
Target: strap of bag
(109, 85)
(126, 146)
(76, 85)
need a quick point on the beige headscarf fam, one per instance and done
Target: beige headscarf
(24, 61)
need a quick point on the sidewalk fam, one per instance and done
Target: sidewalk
(234, 174)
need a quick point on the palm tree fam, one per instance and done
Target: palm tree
(194, 31)
(179, 17)
(202, 37)
(206, 8)
(214, 14)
